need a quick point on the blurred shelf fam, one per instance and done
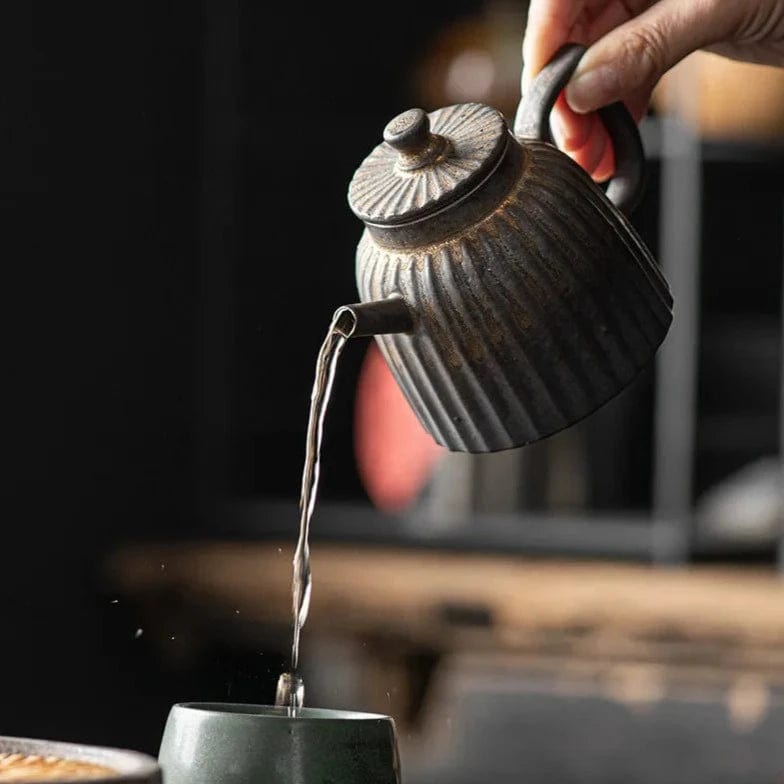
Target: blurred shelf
(626, 535)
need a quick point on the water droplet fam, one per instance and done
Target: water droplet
(139, 633)
(114, 601)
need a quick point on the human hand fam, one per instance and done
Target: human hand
(631, 44)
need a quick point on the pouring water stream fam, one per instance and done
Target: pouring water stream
(291, 690)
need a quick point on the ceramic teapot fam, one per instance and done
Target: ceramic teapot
(509, 294)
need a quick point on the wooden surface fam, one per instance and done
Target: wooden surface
(449, 600)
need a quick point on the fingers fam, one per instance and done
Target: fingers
(606, 166)
(632, 57)
(549, 25)
(584, 138)
(570, 130)
(552, 23)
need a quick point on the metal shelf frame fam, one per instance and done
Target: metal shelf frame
(668, 536)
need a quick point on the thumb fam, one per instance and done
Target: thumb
(634, 56)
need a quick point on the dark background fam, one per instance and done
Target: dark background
(174, 178)
(177, 237)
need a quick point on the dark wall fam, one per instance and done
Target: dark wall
(102, 121)
(174, 178)
(318, 88)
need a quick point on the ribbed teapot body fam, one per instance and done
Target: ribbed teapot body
(528, 318)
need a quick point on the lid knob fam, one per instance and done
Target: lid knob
(427, 161)
(409, 132)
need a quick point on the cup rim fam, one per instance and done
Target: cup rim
(253, 712)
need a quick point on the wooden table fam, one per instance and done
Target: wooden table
(446, 600)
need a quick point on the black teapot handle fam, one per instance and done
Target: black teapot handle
(532, 121)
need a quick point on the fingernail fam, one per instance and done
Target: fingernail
(592, 89)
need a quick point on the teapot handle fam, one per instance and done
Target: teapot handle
(532, 121)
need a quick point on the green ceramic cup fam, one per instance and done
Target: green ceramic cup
(217, 743)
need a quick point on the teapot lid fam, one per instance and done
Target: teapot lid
(426, 162)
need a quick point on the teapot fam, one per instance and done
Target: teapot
(509, 294)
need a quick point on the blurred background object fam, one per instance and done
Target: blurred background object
(395, 454)
(475, 57)
(746, 508)
(723, 99)
(522, 608)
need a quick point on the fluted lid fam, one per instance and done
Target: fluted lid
(427, 161)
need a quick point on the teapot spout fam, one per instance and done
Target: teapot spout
(381, 317)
